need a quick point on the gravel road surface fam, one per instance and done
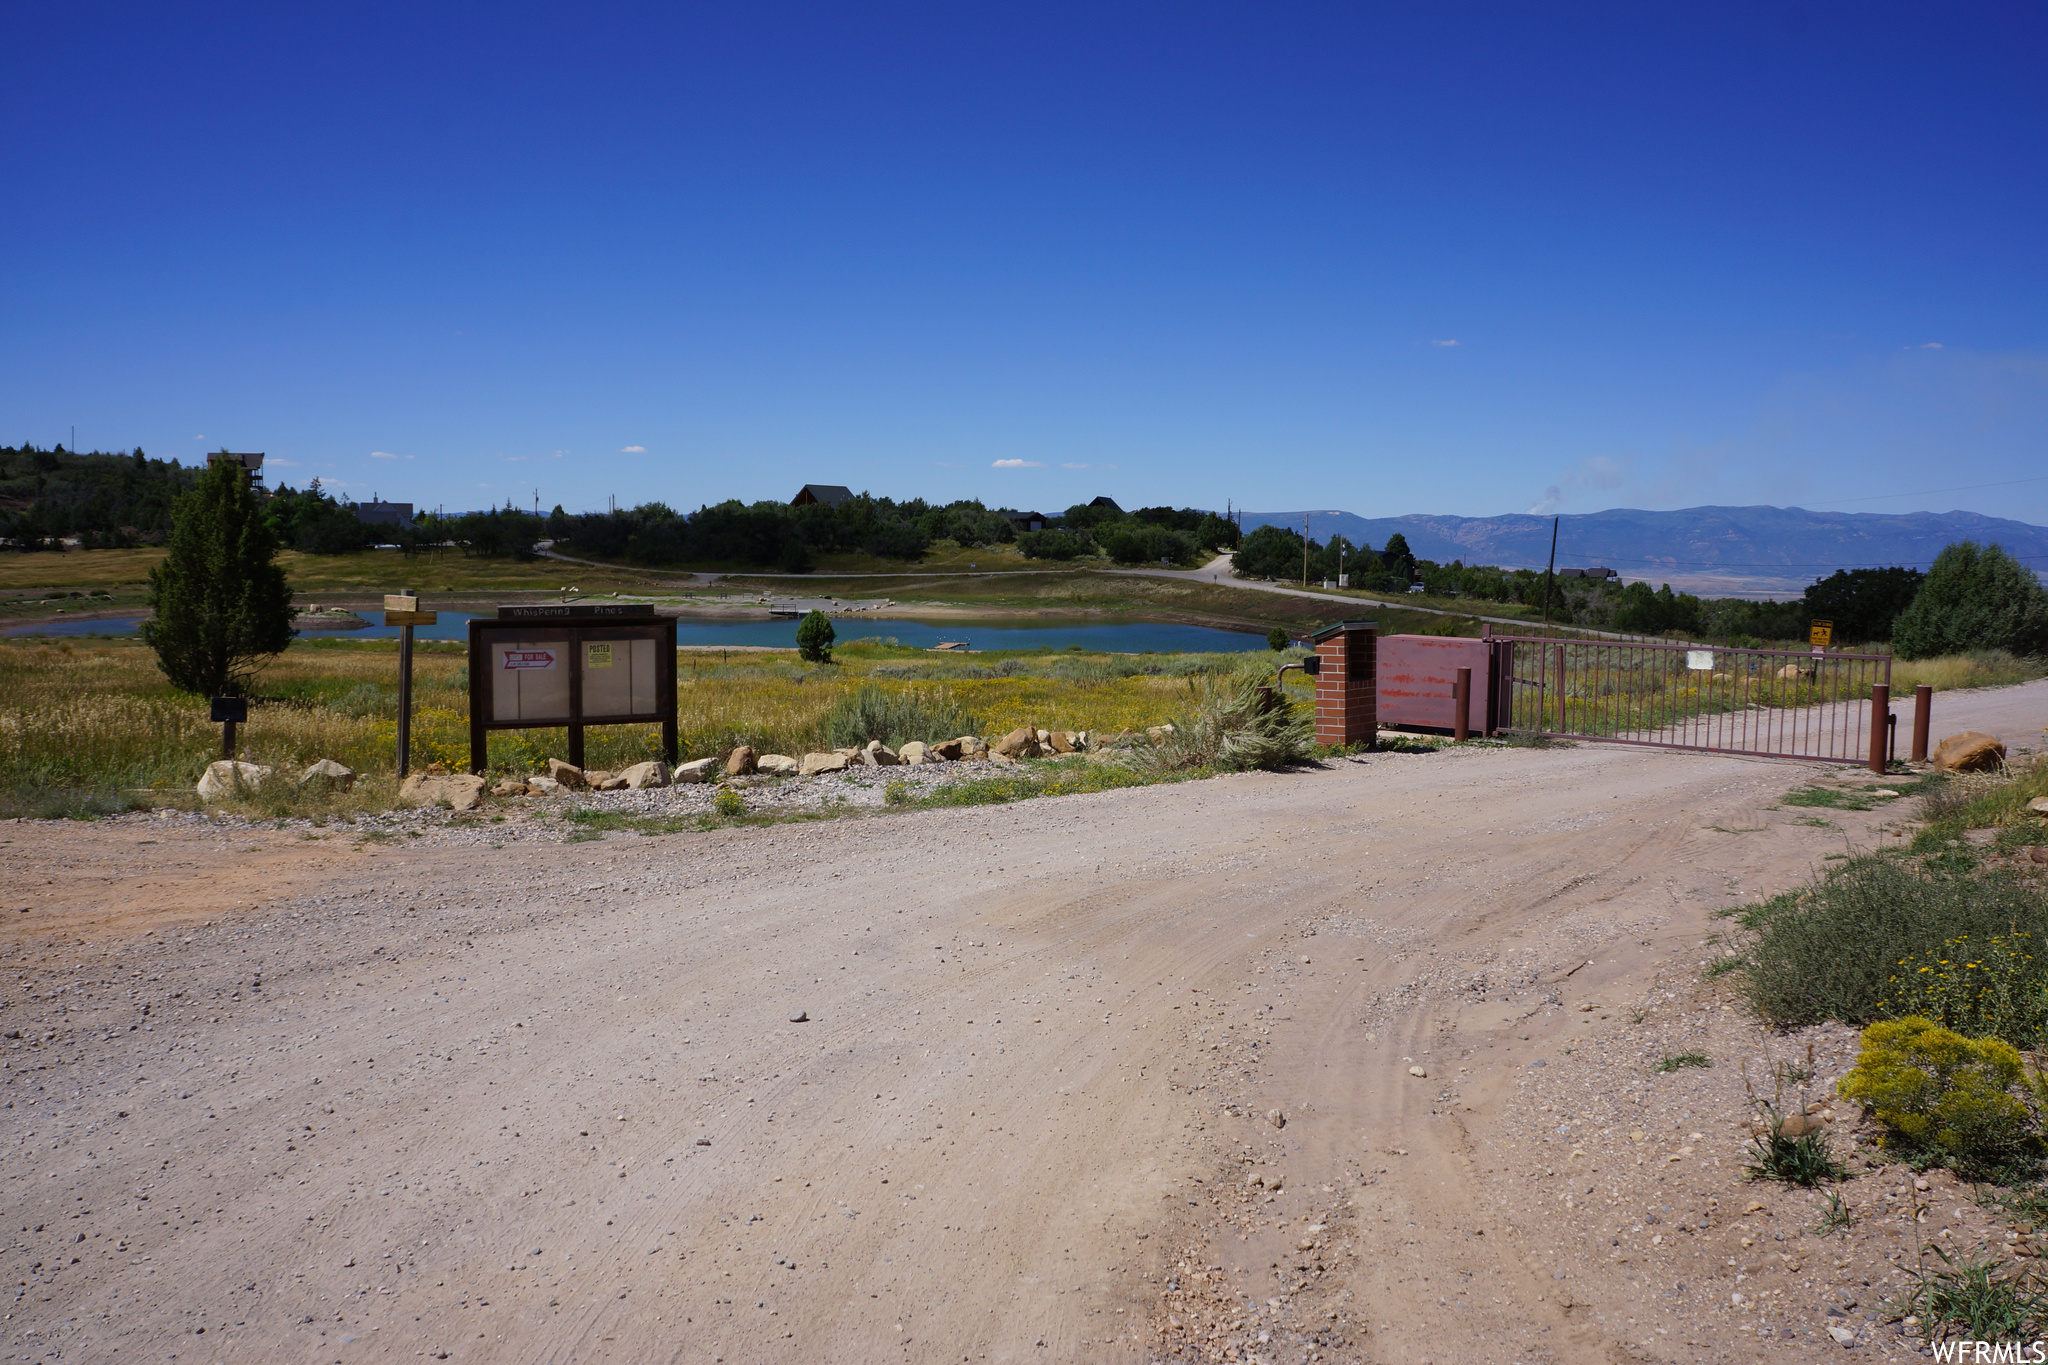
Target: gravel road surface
(1265, 1067)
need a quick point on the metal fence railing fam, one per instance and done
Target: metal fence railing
(1774, 702)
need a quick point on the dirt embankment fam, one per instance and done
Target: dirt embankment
(329, 1102)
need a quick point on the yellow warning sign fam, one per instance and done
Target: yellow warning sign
(597, 655)
(1821, 634)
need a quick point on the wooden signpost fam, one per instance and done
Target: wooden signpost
(229, 712)
(403, 610)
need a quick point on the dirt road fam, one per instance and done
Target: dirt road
(285, 1098)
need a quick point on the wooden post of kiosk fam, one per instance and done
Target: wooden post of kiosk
(403, 610)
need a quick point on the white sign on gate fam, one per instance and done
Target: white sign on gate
(1700, 660)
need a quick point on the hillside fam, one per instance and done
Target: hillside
(1769, 549)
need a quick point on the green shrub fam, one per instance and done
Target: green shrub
(1684, 1059)
(896, 717)
(729, 803)
(1276, 638)
(1830, 949)
(1942, 1096)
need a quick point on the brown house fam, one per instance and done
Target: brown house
(831, 494)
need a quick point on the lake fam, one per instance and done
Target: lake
(1129, 637)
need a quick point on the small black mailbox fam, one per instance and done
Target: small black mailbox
(226, 709)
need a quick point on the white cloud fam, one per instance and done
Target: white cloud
(1077, 466)
(1016, 464)
(515, 459)
(288, 464)
(1449, 342)
(382, 455)
(632, 450)
(1930, 345)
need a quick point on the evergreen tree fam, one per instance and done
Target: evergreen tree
(1398, 558)
(1974, 597)
(220, 601)
(814, 636)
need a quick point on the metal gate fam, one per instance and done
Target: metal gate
(1778, 703)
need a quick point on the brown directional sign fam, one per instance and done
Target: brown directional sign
(401, 601)
(411, 618)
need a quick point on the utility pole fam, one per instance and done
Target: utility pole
(1304, 549)
(1548, 573)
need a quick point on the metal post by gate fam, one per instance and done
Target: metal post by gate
(1923, 705)
(1462, 730)
(1560, 689)
(1880, 713)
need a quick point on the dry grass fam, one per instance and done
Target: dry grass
(1981, 668)
(92, 725)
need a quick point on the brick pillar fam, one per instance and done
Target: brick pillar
(1347, 685)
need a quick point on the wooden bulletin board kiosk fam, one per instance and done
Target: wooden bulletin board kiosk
(573, 665)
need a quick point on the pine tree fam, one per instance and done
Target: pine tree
(219, 599)
(814, 636)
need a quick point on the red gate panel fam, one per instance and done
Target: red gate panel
(1417, 673)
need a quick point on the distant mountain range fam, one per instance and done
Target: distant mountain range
(1771, 549)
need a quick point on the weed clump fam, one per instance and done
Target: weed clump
(1679, 1060)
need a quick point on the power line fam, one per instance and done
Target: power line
(1929, 492)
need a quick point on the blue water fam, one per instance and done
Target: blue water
(1131, 637)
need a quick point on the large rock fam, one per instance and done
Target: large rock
(777, 765)
(568, 774)
(544, 786)
(601, 780)
(511, 786)
(880, 755)
(741, 761)
(913, 754)
(1019, 743)
(2038, 806)
(328, 775)
(973, 746)
(227, 777)
(814, 764)
(696, 770)
(457, 791)
(641, 776)
(1968, 752)
(1063, 742)
(1159, 734)
(947, 749)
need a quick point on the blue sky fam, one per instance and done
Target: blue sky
(1469, 259)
